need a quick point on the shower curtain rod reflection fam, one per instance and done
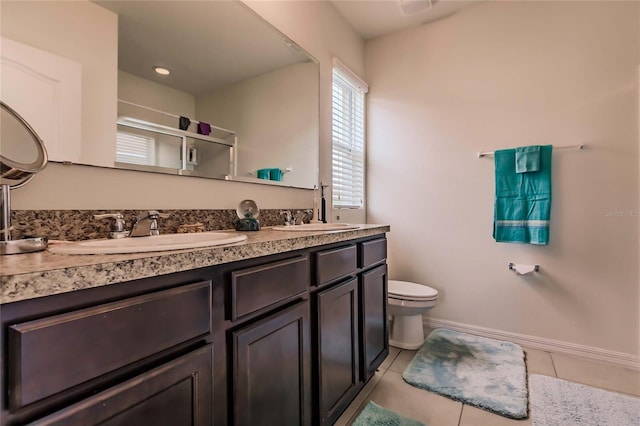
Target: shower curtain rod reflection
(487, 153)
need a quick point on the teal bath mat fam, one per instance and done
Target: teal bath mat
(486, 373)
(559, 402)
(375, 415)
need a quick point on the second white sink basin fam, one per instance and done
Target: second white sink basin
(317, 227)
(147, 244)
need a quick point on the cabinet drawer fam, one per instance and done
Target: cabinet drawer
(372, 252)
(256, 288)
(336, 263)
(52, 354)
(176, 393)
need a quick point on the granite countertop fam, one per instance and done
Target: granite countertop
(28, 276)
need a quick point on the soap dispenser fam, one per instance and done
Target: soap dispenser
(192, 155)
(314, 214)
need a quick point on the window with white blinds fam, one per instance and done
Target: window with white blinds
(135, 149)
(348, 120)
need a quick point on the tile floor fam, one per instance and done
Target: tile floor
(387, 388)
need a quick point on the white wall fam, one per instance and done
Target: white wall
(506, 74)
(315, 26)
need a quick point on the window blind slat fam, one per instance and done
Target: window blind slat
(135, 149)
(348, 141)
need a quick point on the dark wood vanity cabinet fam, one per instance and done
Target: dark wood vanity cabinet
(119, 355)
(288, 338)
(374, 327)
(270, 362)
(350, 313)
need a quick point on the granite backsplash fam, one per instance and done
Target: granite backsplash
(74, 225)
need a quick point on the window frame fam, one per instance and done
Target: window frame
(348, 141)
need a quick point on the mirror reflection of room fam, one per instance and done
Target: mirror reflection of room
(264, 102)
(256, 85)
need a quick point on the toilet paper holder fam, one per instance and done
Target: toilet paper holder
(512, 267)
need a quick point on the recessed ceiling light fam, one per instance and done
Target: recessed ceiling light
(409, 7)
(162, 70)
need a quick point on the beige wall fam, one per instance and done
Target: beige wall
(319, 29)
(145, 92)
(505, 74)
(315, 26)
(274, 116)
(33, 23)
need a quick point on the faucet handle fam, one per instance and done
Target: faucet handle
(300, 216)
(117, 226)
(287, 216)
(308, 215)
(108, 215)
(154, 214)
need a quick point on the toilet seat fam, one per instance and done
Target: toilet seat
(404, 290)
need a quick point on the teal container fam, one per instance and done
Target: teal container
(275, 174)
(264, 174)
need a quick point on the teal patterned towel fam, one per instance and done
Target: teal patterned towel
(523, 200)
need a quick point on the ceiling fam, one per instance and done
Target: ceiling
(375, 18)
(206, 44)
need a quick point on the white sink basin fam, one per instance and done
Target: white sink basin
(147, 244)
(317, 227)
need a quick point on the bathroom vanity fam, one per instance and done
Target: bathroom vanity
(285, 328)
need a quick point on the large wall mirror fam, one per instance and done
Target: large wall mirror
(241, 100)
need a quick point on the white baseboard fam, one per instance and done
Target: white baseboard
(597, 354)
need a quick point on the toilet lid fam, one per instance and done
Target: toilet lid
(405, 289)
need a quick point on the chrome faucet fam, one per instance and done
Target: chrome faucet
(288, 217)
(301, 215)
(117, 226)
(147, 224)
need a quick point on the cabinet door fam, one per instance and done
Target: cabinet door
(272, 370)
(337, 319)
(375, 332)
(176, 393)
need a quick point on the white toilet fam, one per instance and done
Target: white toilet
(407, 302)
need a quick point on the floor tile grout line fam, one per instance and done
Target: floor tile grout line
(394, 358)
(366, 399)
(551, 358)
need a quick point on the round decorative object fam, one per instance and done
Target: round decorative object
(23, 154)
(247, 212)
(247, 209)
